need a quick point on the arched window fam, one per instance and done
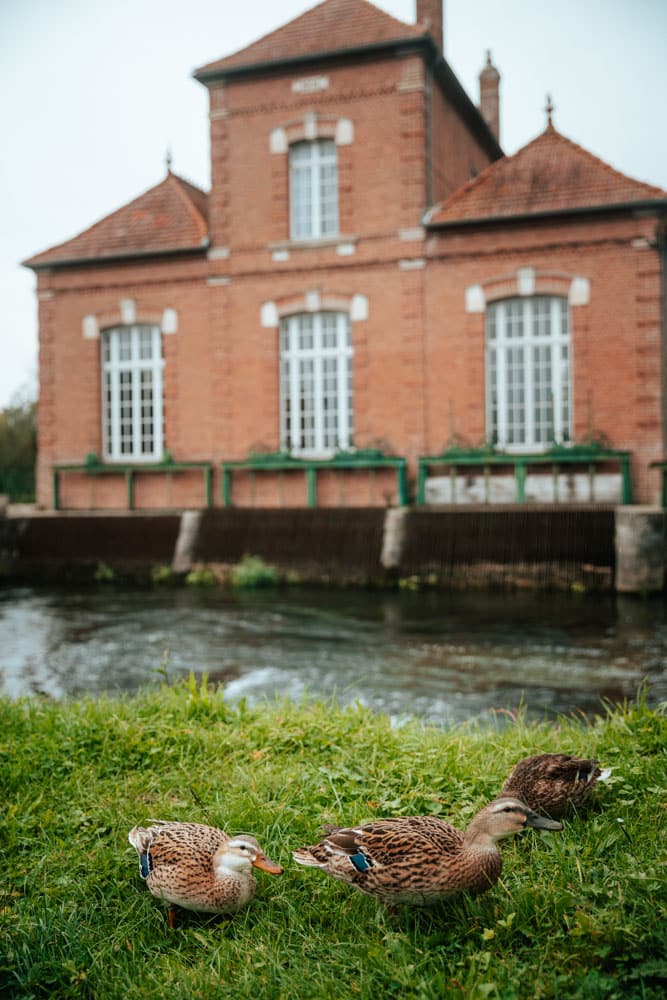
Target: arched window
(132, 393)
(316, 405)
(313, 173)
(528, 372)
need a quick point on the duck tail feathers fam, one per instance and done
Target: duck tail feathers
(304, 857)
(139, 838)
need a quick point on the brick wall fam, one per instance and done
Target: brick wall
(418, 353)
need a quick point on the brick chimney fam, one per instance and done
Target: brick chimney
(489, 96)
(429, 12)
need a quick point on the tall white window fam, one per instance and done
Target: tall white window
(313, 171)
(528, 372)
(132, 394)
(316, 404)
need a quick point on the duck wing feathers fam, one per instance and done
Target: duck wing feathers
(385, 841)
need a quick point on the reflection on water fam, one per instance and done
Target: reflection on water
(446, 657)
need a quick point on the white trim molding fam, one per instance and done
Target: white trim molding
(313, 301)
(268, 315)
(90, 326)
(525, 282)
(169, 322)
(128, 311)
(475, 299)
(580, 292)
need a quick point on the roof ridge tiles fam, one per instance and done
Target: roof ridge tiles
(151, 223)
(550, 173)
(331, 25)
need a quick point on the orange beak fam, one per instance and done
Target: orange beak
(267, 865)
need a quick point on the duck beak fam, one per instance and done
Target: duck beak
(542, 822)
(266, 864)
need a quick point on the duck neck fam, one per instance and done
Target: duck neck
(478, 839)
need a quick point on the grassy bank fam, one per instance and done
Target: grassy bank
(576, 914)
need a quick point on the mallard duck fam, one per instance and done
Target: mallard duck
(554, 783)
(421, 859)
(198, 867)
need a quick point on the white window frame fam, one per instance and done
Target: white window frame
(529, 398)
(313, 189)
(132, 427)
(316, 384)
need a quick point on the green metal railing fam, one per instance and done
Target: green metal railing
(368, 460)
(558, 456)
(93, 467)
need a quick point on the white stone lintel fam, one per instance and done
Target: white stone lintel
(313, 301)
(580, 292)
(280, 255)
(310, 125)
(411, 235)
(345, 249)
(269, 314)
(169, 321)
(344, 132)
(475, 299)
(278, 140)
(128, 310)
(90, 327)
(525, 280)
(359, 308)
(218, 253)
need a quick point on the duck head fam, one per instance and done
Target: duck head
(506, 816)
(242, 853)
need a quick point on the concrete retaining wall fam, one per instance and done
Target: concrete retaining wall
(538, 546)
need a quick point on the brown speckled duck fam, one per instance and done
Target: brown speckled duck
(554, 783)
(421, 859)
(198, 867)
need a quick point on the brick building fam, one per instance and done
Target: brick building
(368, 279)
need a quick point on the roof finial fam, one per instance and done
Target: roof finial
(550, 108)
(167, 160)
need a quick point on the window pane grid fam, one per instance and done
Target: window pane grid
(313, 189)
(528, 397)
(316, 383)
(132, 393)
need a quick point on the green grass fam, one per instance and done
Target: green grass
(576, 914)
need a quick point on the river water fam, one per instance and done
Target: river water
(443, 656)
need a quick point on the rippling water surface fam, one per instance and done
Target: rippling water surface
(445, 657)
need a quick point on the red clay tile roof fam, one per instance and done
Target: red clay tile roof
(550, 174)
(329, 27)
(171, 216)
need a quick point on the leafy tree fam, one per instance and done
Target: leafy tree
(18, 448)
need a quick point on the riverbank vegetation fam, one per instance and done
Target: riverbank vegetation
(576, 913)
(18, 448)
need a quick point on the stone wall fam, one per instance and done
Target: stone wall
(544, 546)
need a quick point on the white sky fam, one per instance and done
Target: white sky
(93, 94)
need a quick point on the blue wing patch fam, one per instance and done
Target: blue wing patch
(360, 861)
(145, 864)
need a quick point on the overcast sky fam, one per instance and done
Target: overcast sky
(93, 94)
